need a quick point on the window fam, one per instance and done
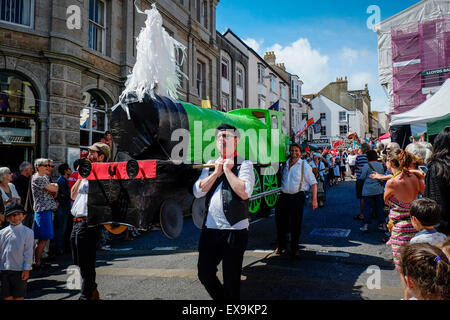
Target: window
(240, 78)
(200, 80)
(274, 122)
(204, 14)
(342, 130)
(323, 116)
(93, 119)
(225, 67)
(261, 72)
(17, 12)
(323, 130)
(304, 115)
(283, 91)
(293, 88)
(17, 94)
(273, 82)
(181, 62)
(239, 104)
(225, 102)
(97, 25)
(342, 116)
(261, 101)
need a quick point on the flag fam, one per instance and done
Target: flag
(338, 143)
(306, 126)
(275, 106)
(318, 126)
(307, 149)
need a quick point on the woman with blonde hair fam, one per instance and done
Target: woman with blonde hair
(402, 189)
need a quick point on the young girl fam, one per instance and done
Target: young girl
(424, 270)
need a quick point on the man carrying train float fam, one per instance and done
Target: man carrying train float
(297, 178)
(224, 236)
(84, 238)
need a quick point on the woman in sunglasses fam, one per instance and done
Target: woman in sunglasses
(44, 203)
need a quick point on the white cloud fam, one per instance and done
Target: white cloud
(254, 44)
(349, 55)
(358, 80)
(308, 63)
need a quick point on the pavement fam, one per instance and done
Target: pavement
(337, 262)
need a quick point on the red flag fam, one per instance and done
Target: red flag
(307, 149)
(325, 150)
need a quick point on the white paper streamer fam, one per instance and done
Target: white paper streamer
(156, 69)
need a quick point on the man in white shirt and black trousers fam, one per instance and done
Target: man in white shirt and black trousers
(84, 238)
(225, 229)
(296, 180)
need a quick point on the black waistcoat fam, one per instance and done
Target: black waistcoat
(234, 208)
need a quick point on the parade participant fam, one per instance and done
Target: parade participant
(225, 229)
(16, 258)
(296, 179)
(425, 214)
(342, 164)
(319, 167)
(438, 178)
(43, 205)
(400, 191)
(424, 270)
(84, 238)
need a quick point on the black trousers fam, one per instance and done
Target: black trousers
(83, 241)
(288, 219)
(227, 246)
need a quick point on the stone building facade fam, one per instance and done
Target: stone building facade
(71, 72)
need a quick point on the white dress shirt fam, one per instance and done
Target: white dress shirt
(216, 218)
(80, 208)
(290, 179)
(16, 248)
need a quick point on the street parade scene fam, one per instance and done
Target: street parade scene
(215, 151)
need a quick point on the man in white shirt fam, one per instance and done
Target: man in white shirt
(225, 229)
(296, 180)
(84, 238)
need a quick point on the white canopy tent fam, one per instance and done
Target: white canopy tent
(431, 109)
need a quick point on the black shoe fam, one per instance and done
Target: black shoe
(358, 217)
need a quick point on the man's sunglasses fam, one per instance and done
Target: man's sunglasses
(47, 165)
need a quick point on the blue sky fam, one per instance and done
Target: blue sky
(318, 40)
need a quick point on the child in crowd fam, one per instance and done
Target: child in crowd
(425, 214)
(424, 270)
(16, 253)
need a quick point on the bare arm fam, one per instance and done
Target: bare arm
(75, 188)
(314, 199)
(51, 187)
(236, 184)
(208, 182)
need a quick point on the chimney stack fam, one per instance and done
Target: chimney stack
(270, 58)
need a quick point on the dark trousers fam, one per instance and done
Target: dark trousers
(227, 246)
(374, 202)
(84, 245)
(288, 218)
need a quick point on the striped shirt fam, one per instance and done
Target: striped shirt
(361, 160)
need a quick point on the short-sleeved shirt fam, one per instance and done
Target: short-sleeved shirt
(42, 199)
(290, 180)
(361, 161)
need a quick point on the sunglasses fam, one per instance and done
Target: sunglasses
(225, 136)
(47, 165)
